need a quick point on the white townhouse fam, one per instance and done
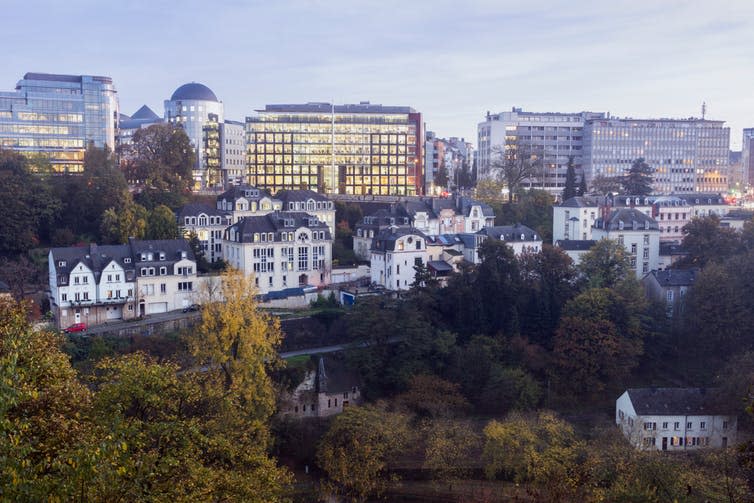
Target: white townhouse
(281, 250)
(308, 201)
(246, 201)
(370, 226)
(573, 219)
(166, 275)
(208, 224)
(395, 252)
(637, 232)
(675, 419)
(91, 284)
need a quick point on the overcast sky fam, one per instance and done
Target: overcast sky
(451, 60)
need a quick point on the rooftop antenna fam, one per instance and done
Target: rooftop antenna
(704, 109)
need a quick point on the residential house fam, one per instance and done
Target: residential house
(395, 252)
(669, 287)
(574, 218)
(310, 202)
(370, 226)
(327, 390)
(520, 238)
(675, 419)
(575, 248)
(245, 201)
(208, 224)
(636, 231)
(282, 250)
(91, 284)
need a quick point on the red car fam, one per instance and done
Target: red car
(76, 327)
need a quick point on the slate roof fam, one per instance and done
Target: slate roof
(239, 191)
(575, 244)
(676, 401)
(516, 232)
(172, 248)
(385, 240)
(465, 204)
(579, 202)
(145, 113)
(195, 209)
(334, 377)
(439, 266)
(675, 277)
(288, 196)
(276, 222)
(94, 257)
(632, 219)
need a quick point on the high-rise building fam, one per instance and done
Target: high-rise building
(552, 138)
(57, 116)
(336, 149)
(196, 109)
(233, 152)
(747, 155)
(128, 125)
(687, 155)
(737, 176)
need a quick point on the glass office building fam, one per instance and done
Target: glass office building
(687, 155)
(57, 116)
(338, 149)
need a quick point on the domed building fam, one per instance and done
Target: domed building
(196, 109)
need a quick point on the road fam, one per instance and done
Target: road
(152, 318)
(331, 349)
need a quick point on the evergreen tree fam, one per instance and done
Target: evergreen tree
(638, 180)
(570, 182)
(582, 186)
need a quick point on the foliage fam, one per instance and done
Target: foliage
(570, 189)
(606, 264)
(27, 204)
(514, 166)
(356, 451)
(441, 177)
(430, 396)
(510, 389)
(638, 180)
(604, 185)
(489, 191)
(119, 224)
(707, 241)
(451, 449)
(162, 224)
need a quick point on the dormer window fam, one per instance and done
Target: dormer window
(143, 257)
(271, 236)
(621, 225)
(291, 206)
(61, 263)
(127, 260)
(162, 255)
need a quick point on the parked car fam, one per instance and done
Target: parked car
(192, 307)
(76, 327)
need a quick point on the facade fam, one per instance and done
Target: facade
(370, 226)
(747, 155)
(282, 250)
(636, 231)
(97, 284)
(452, 154)
(573, 219)
(311, 202)
(687, 155)
(233, 152)
(196, 109)
(325, 391)
(552, 137)
(336, 149)
(519, 237)
(669, 287)
(247, 201)
(674, 419)
(575, 248)
(672, 214)
(208, 224)
(394, 253)
(738, 178)
(57, 116)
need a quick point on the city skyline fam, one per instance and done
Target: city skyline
(452, 64)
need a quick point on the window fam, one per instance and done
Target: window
(163, 271)
(677, 425)
(127, 260)
(649, 441)
(633, 248)
(676, 441)
(163, 288)
(689, 425)
(703, 425)
(64, 297)
(665, 425)
(725, 425)
(303, 258)
(76, 280)
(650, 426)
(185, 286)
(646, 239)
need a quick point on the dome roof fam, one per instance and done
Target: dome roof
(194, 91)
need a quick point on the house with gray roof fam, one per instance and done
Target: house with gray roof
(669, 288)
(520, 238)
(395, 251)
(675, 419)
(328, 388)
(638, 232)
(207, 223)
(574, 218)
(282, 250)
(311, 202)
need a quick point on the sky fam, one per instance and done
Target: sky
(451, 60)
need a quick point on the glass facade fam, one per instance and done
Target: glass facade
(57, 116)
(347, 149)
(688, 155)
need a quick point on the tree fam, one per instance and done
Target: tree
(604, 185)
(441, 177)
(489, 191)
(160, 159)
(638, 180)
(570, 189)
(513, 166)
(451, 450)
(581, 190)
(119, 224)
(202, 264)
(707, 241)
(357, 450)
(27, 204)
(605, 264)
(430, 396)
(240, 343)
(162, 224)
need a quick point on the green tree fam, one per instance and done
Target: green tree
(570, 189)
(27, 204)
(452, 449)
(160, 159)
(162, 224)
(604, 185)
(430, 396)
(707, 241)
(119, 224)
(581, 190)
(606, 264)
(638, 180)
(441, 177)
(357, 450)
(513, 166)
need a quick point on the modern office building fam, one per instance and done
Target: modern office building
(687, 155)
(57, 116)
(233, 152)
(550, 137)
(195, 108)
(128, 125)
(336, 149)
(747, 154)
(738, 177)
